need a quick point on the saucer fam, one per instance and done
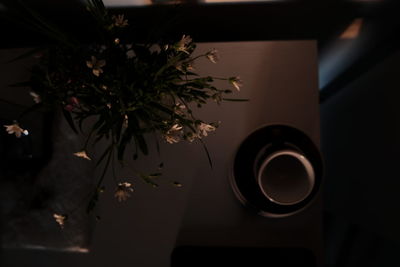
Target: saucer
(258, 146)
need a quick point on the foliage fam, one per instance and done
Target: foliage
(131, 89)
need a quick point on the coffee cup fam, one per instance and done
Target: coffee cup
(286, 177)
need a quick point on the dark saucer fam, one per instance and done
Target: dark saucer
(256, 147)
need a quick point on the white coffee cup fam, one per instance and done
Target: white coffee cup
(286, 177)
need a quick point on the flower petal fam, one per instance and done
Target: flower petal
(82, 154)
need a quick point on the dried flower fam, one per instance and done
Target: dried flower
(35, 97)
(15, 129)
(60, 219)
(172, 138)
(102, 48)
(38, 55)
(204, 128)
(177, 184)
(185, 66)
(138, 89)
(173, 134)
(189, 67)
(125, 124)
(213, 55)
(236, 82)
(130, 54)
(119, 21)
(179, 109)
(191, 137)
(183, 44)
(69, 108)
(73, 102)
(217, 97)
(179, 67)
(82, 154)
(96, 65)
(123, 190)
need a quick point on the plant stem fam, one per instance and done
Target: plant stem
(12, 103)
(105, 168)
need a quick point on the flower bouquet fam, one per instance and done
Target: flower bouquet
(130, 89)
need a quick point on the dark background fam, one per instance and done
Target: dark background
(360, 115)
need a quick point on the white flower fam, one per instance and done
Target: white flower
(119, 21)
(236, 82)
(184, 67)
(179, 67)
(60, 219)
(130, 54)
(96, 65)
(15, 129)
(35, 97)
(213, 55)
(123, 190)
(175, 128)
(172, 138)
(204, 128)
(126, 121)
(173, 134)
(190, 67)
(180, 106)
(177, 184)
(191, 137)
(179, 109)
(82, 154)
(182, 45)
(102, 48)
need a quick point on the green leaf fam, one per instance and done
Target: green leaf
(141, 142)
(236, 99)
(105, 153)
(106, 127)
(21, 84)
(155, 175)
(99, 122)
(36, 21)
(80, 122)
(27, 54)
(139, 139)
(126, 138)
(148, 180)
(30, 109)
(157, 146)
(207, 152)
(92, 202)
(118, 128)
(162, 108)
(69, 119)
(98, 138)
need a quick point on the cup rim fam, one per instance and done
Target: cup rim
(308, 167)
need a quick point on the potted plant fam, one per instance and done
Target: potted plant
(131, 89)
